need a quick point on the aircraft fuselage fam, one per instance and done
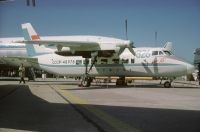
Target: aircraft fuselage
(145, 63)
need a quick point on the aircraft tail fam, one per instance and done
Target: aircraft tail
(31, 35)
(29, 32)
(168, 46)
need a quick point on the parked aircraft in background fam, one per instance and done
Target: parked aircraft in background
(108, 57)
(14, 54)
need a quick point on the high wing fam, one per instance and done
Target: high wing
(78, 44)
(73, 45)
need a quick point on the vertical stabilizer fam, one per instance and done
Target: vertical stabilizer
(31, 35)
(29, 32)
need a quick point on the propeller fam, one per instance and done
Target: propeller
(156, 34)
(130, 48)
(130, 43)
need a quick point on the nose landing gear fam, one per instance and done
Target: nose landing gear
(168, 84)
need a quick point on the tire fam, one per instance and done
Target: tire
(86, 82)
(121, 82)
(167, 84)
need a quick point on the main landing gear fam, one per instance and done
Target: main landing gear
(86, 79)
(121, 81)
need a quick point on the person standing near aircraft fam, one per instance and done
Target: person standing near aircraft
(22, 73)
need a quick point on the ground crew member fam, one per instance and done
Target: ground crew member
(22, 73)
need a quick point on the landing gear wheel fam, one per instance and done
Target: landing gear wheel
(167, 84)
(121, 82)
(86, 82)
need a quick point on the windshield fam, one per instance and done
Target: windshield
(157, 53)
(168, 53)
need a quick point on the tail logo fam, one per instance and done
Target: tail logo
(35, 37)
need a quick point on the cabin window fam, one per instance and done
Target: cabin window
(115, 61)
(132, 61)
(154, 53)
(104, 61)
(124, 61)
(78, 62)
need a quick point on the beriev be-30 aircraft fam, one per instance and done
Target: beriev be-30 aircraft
(92, 56)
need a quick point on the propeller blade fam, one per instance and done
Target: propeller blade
(121, 50)
(126, 27)
(131, 50)
(130, 47)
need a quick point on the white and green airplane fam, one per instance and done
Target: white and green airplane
(92, 56)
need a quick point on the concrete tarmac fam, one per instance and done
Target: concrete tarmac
(63, 106)
(38, 108)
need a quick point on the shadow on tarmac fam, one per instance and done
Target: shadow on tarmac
(24, 111)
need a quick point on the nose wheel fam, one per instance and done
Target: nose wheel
(167, 84)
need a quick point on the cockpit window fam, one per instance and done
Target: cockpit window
(161, 53)
(168, 53)
(154, 53)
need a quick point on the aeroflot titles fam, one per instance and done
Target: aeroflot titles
(71, 62)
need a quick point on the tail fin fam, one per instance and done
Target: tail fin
(30, 34)
(168, 46)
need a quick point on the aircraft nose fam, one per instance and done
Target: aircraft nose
(190, 68)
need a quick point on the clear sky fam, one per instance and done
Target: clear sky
(177, 21)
